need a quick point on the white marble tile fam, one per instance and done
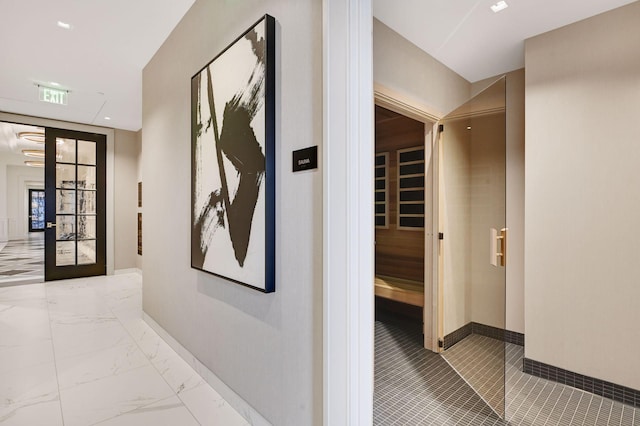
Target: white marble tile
(24, 355)
(152, 345)
(104, 399)
(177, 373)
(40, 413)
(88, 367)
(26, 391)
(137, 328)
(170, 411)
(17, 294)
(209, 408)
(127, 314)
(87, 335)
(123, 298)
(21, 325)
(85, 304)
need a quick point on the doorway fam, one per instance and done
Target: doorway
(399, 214)
(75, 182)
(21, 203)
(36, 210)
(468, 211)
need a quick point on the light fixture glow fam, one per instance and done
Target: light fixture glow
(32, 136)
(107, 118)
(64, 25)
(34, 163)
(468, 127)
(54, 84)
(37, 153)
(501, 5)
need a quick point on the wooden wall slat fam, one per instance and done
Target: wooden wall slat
(398, 253)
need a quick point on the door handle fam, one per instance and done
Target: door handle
(498, 247)
(51, 225)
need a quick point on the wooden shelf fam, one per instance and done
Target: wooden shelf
(404, 291)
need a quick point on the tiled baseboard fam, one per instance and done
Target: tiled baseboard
(596, 386)
(483, 330)
(456, 336)
(514, 337)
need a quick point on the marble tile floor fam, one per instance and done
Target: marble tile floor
(22, 261)
(77, 352)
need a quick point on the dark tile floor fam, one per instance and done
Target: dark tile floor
(414, 386)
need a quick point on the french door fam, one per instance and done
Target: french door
(75, 212)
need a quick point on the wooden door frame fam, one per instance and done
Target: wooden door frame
(396, 102)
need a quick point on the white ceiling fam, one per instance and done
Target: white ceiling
(100, 60)
(11, 145)
(468, 37)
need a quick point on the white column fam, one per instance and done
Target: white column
(348, 267)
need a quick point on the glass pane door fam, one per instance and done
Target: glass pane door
(472, 218)
(75, 177)
(36, 210)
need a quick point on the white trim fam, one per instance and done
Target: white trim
(240, 405)
(348, 212)
(409, 107)
(110, 133)
(128, 271)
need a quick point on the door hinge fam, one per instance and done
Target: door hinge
(440, 236)
(441, 128)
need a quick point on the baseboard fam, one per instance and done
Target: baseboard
(456, 336)
(483, 330)
(589, 384)
(240, 405)
(127, 271)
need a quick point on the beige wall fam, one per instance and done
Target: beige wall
(582, 205)
(411, 73)
(515, 195)
(126, 154)
(266, 347)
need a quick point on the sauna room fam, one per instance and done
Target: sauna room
(399, 217)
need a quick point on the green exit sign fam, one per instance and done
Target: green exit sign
(53, 96)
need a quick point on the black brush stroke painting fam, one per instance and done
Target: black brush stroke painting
(233, 138)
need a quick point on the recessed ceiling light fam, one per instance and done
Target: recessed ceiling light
(107, 118)
(34, 163)
(64, 25)
(501, 5)
(37, 153)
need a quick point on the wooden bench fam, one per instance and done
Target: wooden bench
(399, 290)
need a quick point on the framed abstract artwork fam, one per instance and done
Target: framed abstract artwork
(233, 161)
